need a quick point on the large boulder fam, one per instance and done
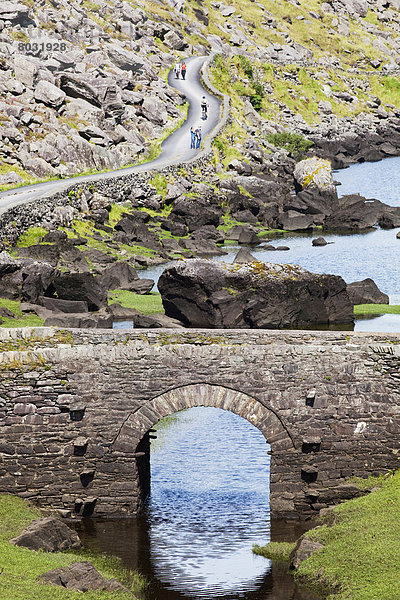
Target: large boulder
(243, 234)
(315, 188)
(202, 247)
(119, 276)
(63, 306)
(156, 320)
(49, 94)
(244, 256)
(292, 220)
(79, 286)
(48, 534)
(82, 576)
(63, 253)
(36, 278)
(24, 279)
(8, 264)
(355, 213)
(319, 241)
(15, 12)
(195, 213)
(366, 292)
(84, 320)
(202, 293)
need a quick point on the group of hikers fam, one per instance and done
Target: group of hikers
(180, 69)
(195, 134)
(195, 138)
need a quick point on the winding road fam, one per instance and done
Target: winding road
(174, 150)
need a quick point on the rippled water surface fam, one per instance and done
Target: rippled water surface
(209, 504)
(379, 180)
(201, 466)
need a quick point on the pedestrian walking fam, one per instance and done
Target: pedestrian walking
(183, 70)
(192, 139)
(198, 137)
(177, 70)
(204, 108)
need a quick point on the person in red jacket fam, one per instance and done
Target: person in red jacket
(183, 70)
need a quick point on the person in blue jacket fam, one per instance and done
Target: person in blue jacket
(192, 138)
(198, 137)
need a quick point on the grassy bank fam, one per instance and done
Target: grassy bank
(148, 304)
(21, 319)
(376, 309)
(275, 550)
(20, 567)
(361, 541)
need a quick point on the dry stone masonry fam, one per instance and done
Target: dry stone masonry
(77, 408)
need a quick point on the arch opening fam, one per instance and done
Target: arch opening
(209, 498)
(133, 438)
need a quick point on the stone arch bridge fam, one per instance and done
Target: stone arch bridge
(77, 408)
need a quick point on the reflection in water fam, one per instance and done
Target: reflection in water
(382, 323)
(208, 506)
(202, 494)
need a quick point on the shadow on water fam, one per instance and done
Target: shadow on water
(129, 540)
(209, 504)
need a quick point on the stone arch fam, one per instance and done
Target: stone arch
(253, 410)
(133, 439)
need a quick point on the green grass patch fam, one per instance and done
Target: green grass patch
(386, 88)
(376, 309)
(32, 236)
(116, 213)
(360, 558)
(275, 550)
(148, 304)
(228, 223)
(20, 567)
(292, 142)
(270, 232)
(368, 483)
(22, 319)
(160, 182)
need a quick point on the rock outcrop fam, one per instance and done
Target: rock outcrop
(366, 292)
(201, 293)
(303, 550)
(48, 534)
(356, 213)
(82, 576)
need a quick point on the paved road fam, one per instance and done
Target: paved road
(174, 150)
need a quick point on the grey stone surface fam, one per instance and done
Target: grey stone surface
(366, 292)
(254, 294)
(304, 549)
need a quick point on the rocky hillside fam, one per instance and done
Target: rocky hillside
(326, 71)
(83, 84)
(83, 87)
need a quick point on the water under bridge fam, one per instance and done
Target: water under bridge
(77, 408)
